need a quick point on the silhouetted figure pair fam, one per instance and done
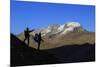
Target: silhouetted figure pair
(38, 39)
(27, 35)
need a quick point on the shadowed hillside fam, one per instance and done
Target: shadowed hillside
(22, 55)
(74, 53)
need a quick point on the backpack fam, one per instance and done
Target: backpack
(36, 37)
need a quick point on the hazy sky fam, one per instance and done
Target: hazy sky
(37, 15)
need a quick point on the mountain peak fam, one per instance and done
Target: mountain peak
(73, 24)
(61, 29)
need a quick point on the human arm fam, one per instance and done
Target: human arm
(31, 30)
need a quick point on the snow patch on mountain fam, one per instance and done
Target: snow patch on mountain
(73, 24)
(67, 30)
(61, 27)
(69, 27)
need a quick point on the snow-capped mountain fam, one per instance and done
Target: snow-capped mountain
(59, 35)
(61, 29)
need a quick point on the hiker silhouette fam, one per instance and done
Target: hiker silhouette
(27, 35)
(38, 39)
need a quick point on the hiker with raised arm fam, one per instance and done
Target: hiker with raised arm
(27, 35)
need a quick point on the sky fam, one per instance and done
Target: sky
(38, 15)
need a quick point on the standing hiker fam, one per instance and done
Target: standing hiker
(27, 35)
(38, 39)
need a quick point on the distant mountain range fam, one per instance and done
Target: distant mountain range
(56, 35)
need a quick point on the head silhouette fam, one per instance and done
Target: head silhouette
(39, 33)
